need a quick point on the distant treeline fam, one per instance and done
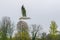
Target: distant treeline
(26, 32)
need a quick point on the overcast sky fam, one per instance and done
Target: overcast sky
(40, 11)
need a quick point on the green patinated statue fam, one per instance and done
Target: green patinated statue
(23, 11)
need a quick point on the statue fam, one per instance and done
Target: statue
(24, 16)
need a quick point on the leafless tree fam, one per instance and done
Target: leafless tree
(35, 31)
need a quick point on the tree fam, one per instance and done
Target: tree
(22, 26)
(10, 31)
(6, 27)
(35, 31)
(43, 37)
(22, 36)
(23, 33)
(53, 29)
(0, 35)
(48, 37)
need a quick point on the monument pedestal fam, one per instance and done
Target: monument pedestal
(24, 18)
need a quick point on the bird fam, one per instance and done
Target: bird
(23, 11)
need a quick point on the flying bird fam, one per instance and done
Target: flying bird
(23, 11)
